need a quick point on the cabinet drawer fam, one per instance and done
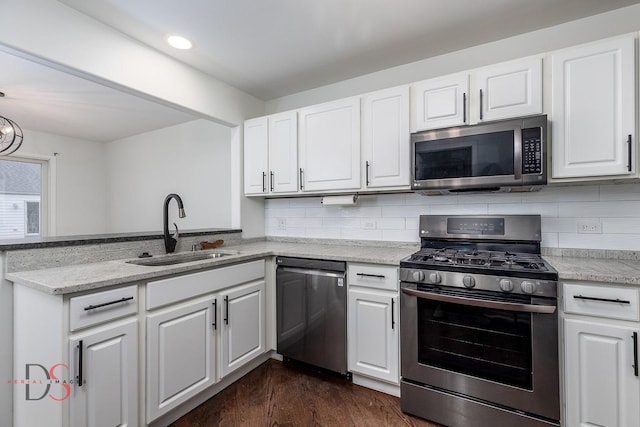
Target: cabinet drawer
(99, 307)
(173, 289)
(601, 301)
(373, 276)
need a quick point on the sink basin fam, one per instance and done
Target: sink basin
(180, 258)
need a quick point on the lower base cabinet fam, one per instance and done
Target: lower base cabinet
(106, 365)
(243, 330)
(192, 345)
(601, 372)
(601, 386)
(373, 322)
(181, 348)
(373, 334)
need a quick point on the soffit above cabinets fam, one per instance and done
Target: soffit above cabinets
(273, 48)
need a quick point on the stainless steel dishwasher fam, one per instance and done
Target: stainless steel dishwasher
(311, 300)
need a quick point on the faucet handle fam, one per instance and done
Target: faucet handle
(177, 233)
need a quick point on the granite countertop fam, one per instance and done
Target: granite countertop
(614, 271)
(78, 278)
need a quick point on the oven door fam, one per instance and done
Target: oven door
(488, 346)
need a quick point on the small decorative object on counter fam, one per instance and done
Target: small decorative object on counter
(211, 245)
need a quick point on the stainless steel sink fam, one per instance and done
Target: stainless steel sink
(180, 258)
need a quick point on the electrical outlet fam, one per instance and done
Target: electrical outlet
(282, 224)
(368, 224)
(590, 227)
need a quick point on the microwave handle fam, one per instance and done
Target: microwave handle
(480, 104)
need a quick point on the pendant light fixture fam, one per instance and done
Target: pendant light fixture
(10, 135)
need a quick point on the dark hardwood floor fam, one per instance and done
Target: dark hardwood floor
(288, 395)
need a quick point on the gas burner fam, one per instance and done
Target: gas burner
(440, 258)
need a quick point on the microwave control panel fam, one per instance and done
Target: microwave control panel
(531, 151)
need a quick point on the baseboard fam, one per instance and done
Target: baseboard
(383, 386)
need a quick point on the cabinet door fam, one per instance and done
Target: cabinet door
(242, 326)
(180, 354)
(593, 98)
(283, 153)
(108, 361)
(373, 334)
(385, 138)
(330, 146)
(510, 89)
(255, 156)
(600, 386)
(440, 102)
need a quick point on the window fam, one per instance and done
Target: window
(22, 197)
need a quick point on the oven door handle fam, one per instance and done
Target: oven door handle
(527, 308)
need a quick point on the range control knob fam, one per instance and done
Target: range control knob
(418, 276)
(528, 287)
(468, 281)
(435, 277)
(506, 285)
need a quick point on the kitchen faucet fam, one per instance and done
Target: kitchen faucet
(171, 241)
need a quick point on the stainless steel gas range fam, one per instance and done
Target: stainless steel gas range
(479, 324)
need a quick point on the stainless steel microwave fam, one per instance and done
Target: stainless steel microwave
(507, 155)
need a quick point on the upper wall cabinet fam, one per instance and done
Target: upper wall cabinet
(256, 154)
(501, 91)
(329, 144)
(385, 139)
(440, 102)
(509, 89)
(593, 115)
(271, 154)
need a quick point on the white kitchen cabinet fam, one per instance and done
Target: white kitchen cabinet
(181, 354)
(385, 138)
(329, 144)
(440, 102)
(509, 89)
(373, 334)
(501, 91)
(283, 152)
(242, 325)
(373, 323)
(602, 386)
(105, 365)
(593, 110)
(256, 156)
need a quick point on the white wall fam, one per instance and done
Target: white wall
(80, 181)
(191, 159)
(394, 217)
(593, 28)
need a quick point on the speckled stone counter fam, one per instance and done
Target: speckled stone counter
(606, 270)
(78, 278)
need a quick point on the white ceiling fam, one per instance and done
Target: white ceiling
(268, 48)
(272, 48)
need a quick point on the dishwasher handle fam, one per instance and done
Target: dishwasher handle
(312, 272)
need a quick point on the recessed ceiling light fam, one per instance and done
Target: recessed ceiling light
(179, 42)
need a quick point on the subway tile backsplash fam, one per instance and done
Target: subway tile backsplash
(394, 217)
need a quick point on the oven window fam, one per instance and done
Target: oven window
(481, 342)
(488, 154)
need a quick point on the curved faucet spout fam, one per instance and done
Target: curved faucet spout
(169, 241)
